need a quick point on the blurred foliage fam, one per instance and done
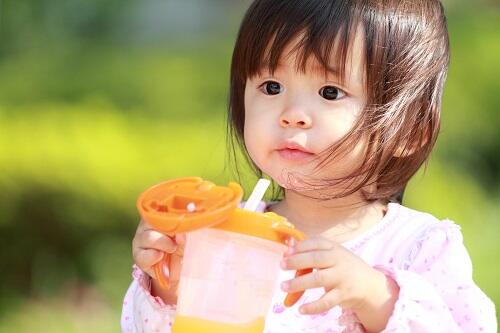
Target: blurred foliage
(90, 117)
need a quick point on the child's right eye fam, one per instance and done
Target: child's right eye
(271, 87)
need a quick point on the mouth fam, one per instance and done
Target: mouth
(294, 154)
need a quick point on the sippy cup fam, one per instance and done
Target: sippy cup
(231, 258)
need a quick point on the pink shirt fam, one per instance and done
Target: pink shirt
(425, 256)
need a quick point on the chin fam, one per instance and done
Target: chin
(281, 182)
(286, 178)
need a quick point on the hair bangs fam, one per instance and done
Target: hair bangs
(324, 29)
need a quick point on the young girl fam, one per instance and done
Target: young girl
(338, 101)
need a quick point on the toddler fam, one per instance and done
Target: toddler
(338, 102)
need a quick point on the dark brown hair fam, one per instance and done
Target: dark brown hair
(406, 60)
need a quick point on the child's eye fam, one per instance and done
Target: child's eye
(271, 87)
(331, 93)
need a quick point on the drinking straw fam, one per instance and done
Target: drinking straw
(257, 194)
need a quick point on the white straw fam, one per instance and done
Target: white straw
(257, 194)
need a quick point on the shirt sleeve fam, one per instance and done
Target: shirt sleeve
(143, 312)
(437, 292)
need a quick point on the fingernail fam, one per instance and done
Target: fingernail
(290, 250)
(285, 286)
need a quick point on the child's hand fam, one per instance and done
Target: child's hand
(347, 279)
(150, 246)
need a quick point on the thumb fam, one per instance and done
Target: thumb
(180, 239)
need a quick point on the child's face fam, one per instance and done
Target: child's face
(307, 109)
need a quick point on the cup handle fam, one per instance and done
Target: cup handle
(161, 275)
(287, 232)
(292, 298)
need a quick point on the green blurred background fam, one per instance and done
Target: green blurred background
(100, 99)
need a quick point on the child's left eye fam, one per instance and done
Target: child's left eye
(331, 93)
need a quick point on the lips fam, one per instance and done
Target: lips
(293, 151)
(292, 145)
(294, 154)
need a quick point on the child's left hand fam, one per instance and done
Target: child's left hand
(348, 280)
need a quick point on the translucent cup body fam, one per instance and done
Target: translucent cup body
(228, 277)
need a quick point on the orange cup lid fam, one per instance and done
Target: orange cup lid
(186, 204)
(270, 226)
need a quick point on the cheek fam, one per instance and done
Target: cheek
(334, 127)
(258, 125)
(351, 160)
(255, 132)
(246, 135)
(253, 137)
(255, 151)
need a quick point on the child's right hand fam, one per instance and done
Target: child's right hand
(149, 248)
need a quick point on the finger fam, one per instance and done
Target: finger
(313, 259)
(151, 271)
(325, 303)
(152, 239)
(143, 225)
(291, 241)
(145, 258)
(175, 269)
(180, 240)
(324, 278)
(311, 244)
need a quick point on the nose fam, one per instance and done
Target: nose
(295, 118)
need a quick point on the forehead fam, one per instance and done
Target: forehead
(345, 61)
